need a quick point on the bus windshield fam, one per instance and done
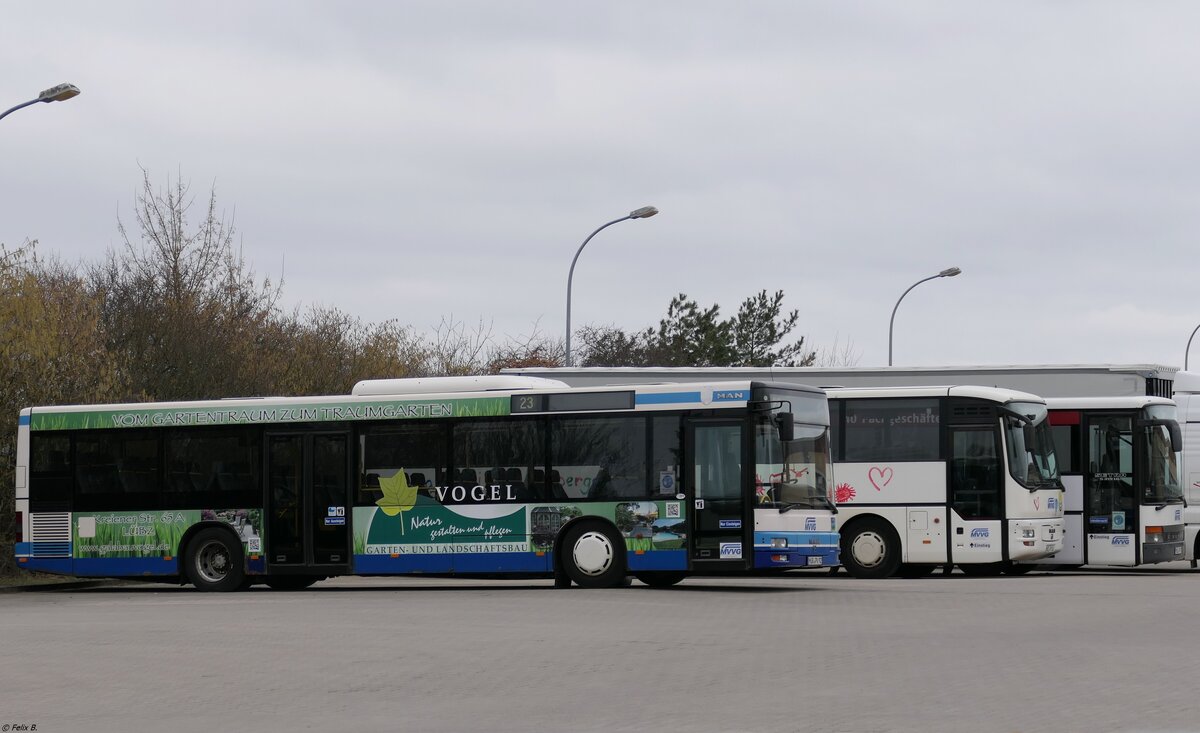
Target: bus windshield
(791, 475)
(1162, 477)
(1031, 459)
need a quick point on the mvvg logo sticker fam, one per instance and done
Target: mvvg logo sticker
(1120, 540)
(810, 524)
(979, 532)
(731, 550)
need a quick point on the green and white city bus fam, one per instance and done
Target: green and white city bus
(451, 476)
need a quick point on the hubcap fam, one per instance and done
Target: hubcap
(212, 562)
(869, 549)
(593, 553)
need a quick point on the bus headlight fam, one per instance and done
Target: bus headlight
(778, 543)
(1154, 535)
(1028, 533)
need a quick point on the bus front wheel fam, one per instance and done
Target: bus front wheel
(594, 556)
(214, 561)
(871, 549)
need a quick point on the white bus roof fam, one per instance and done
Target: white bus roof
(381, 405)
(1058, 380)
(1187, 382)
(1126, 402)
(435, 385)
(991, 394)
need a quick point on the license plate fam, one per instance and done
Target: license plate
(816, 561)
(1178, 551)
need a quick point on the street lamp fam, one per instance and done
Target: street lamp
(643, 213)
(949, 272)
(1188, 350)
(60, 93)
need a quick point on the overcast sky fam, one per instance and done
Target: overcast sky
(430, 160)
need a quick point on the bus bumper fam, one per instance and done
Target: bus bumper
(1034, 539)
(1162, 551)
(795, 550)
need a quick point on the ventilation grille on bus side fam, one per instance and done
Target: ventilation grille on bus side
(971, 411)
(50, 534)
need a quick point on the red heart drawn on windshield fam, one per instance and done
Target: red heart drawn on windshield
(880, 477)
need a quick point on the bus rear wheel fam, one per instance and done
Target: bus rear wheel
(214, 561)
(659, 579)
(593, 556)
(871, 549)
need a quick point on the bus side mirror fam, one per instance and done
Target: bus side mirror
(1030, 436)
(785, 423)
(1176, 436)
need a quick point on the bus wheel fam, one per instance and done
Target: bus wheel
(659, 580)
(290, 582)
(871, 549)
(214, 561)
(593, 556)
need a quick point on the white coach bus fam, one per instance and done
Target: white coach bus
(929, 476)
(1187, 399)
(1119, 460)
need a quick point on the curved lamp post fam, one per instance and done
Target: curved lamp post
(59, 93)
(643, 213)
(1188, 350)
(949, 272)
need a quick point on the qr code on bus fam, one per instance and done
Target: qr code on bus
(673, 509)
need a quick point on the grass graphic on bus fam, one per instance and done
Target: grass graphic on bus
(428, 527)
(136, 534)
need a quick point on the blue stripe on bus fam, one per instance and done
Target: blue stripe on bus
(23, 420)
(795, 557)
(489, 562)
(59, 565)
(125, 566)
(501, 562)
(657, 560)
(666, 398)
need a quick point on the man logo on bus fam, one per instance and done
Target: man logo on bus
(979, 532)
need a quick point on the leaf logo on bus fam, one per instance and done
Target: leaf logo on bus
(398, 496)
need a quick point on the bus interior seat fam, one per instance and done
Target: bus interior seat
(556, 487)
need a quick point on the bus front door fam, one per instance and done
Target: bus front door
(720, 523)
(976, 483)
(308, 512)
